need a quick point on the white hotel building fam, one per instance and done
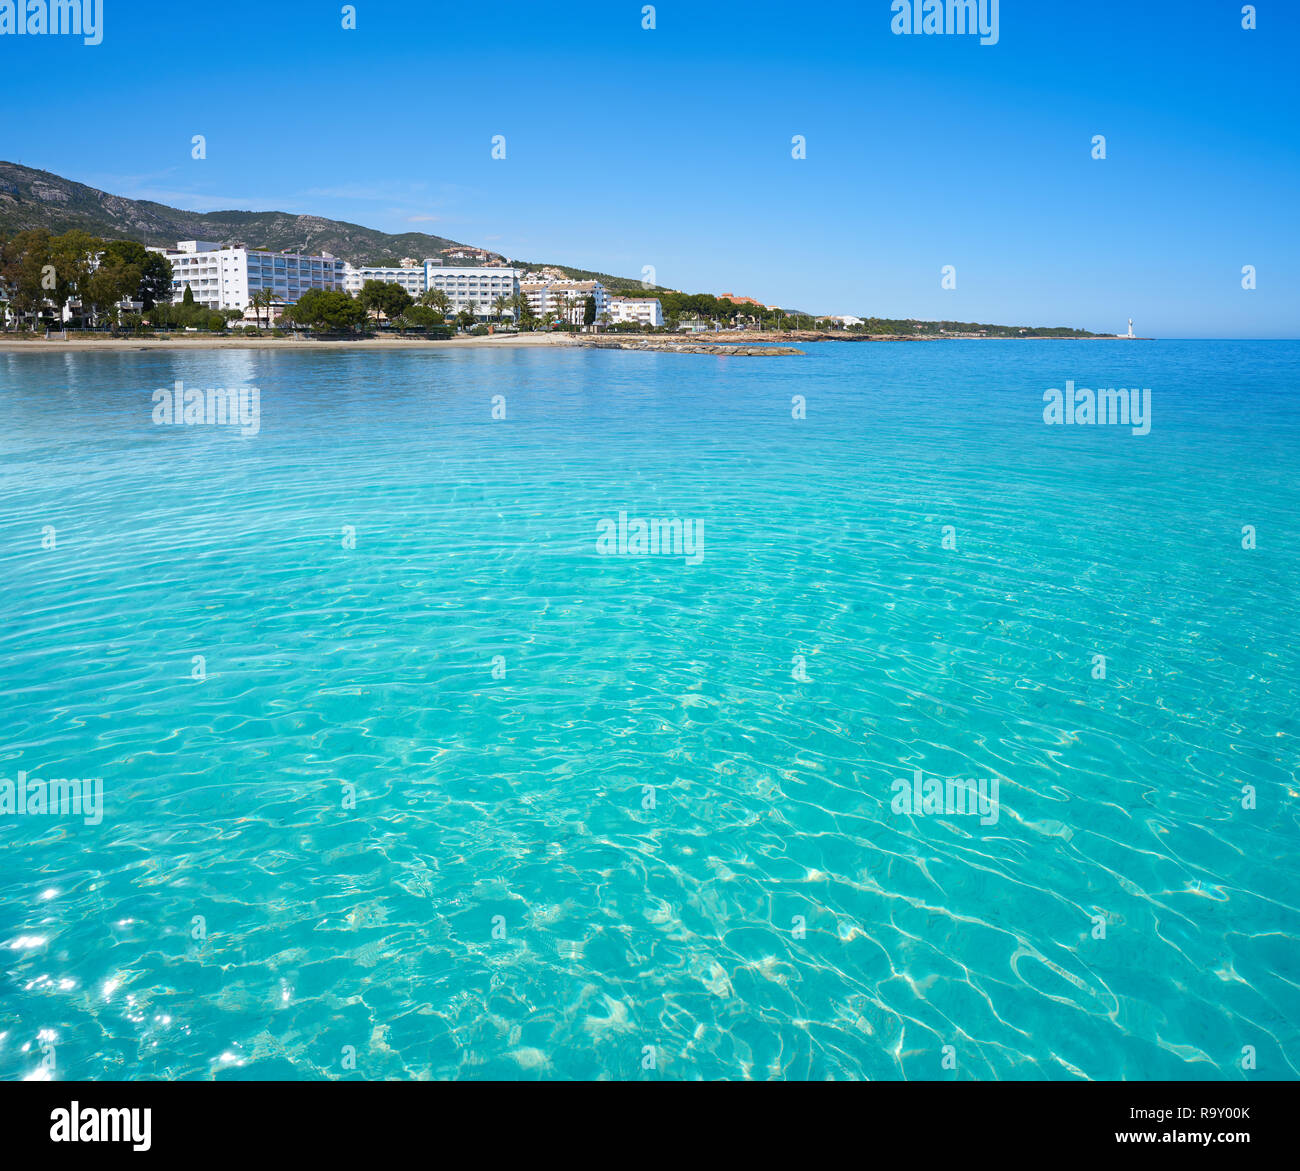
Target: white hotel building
(227, 278)
(411, 278)
(568, 297)
(480, 286)
(639, 310)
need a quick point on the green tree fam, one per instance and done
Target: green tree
(155, 271)
(327, 309)
(25, 269)
(438, 300)
(113, 281)
(263, 299)
(422, 317)
(589, 311)
(74, 256)
(155, 280)
(370, 296)
(396, 301)
(384, 297)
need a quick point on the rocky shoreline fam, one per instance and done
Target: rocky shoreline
(741, 343)
(813, 335)
(669, 346)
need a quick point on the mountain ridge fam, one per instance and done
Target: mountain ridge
(31, 198)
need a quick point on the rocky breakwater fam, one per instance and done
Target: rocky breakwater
(654, 345)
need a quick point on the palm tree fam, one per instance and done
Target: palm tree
(264, 298)
(500, 305)
(437, 300)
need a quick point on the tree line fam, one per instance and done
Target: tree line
(333, 310)
(103, 281)
(42, 274)
(722, 311)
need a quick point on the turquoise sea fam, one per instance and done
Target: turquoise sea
(453, 795)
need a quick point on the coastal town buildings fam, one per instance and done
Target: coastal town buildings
(637, 310)
(564, 296)
(75, 305)
(537, 294)
(228, 277)
(477, 255)
(408, 277)
(479, 286)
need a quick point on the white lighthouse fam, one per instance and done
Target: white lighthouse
(1130, 327)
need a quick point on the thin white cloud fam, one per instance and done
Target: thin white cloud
(383, 192)
(200, 202)
(122, 184)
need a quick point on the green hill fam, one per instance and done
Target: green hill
(39, 199)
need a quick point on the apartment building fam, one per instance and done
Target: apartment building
(639, 310)
(479, 286)
(409, 277)
(564, 296)
(227, 278)
(460, 252)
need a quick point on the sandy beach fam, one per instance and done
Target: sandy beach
(679, 343)
(10, 345)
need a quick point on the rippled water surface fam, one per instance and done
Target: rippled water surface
(635, 837)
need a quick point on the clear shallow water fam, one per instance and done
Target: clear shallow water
(522, 796)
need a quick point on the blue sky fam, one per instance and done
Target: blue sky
(672, 147)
